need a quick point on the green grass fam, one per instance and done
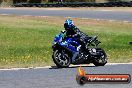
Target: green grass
(27, 41)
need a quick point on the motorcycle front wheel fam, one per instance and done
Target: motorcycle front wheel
(61, 59)
(102, 59)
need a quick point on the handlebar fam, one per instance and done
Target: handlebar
(93, 39)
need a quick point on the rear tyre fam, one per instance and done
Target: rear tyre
(61, 59)
(102, 59)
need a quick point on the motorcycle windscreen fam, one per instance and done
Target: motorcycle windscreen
(58, 38)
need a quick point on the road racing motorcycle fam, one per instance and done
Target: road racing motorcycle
(64, 48)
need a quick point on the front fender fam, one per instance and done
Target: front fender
(55, 46)
(59, 47)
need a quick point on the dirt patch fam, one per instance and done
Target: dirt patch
(61, 20)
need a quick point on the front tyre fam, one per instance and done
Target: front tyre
(61, 59)
(102, 58)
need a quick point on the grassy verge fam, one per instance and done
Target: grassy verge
(26, 41)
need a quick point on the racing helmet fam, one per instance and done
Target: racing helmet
(68, 24)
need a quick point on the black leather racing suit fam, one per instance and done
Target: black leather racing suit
(75, 32)
(81, 39)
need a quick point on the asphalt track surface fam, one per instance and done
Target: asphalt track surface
(59, 78)
(63, 78)
(95, 14)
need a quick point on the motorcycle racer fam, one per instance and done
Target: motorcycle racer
(73, 31)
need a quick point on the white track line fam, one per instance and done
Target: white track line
(51, 66)
(4, 14)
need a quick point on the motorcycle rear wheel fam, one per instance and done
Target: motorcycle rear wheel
(102, 60)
